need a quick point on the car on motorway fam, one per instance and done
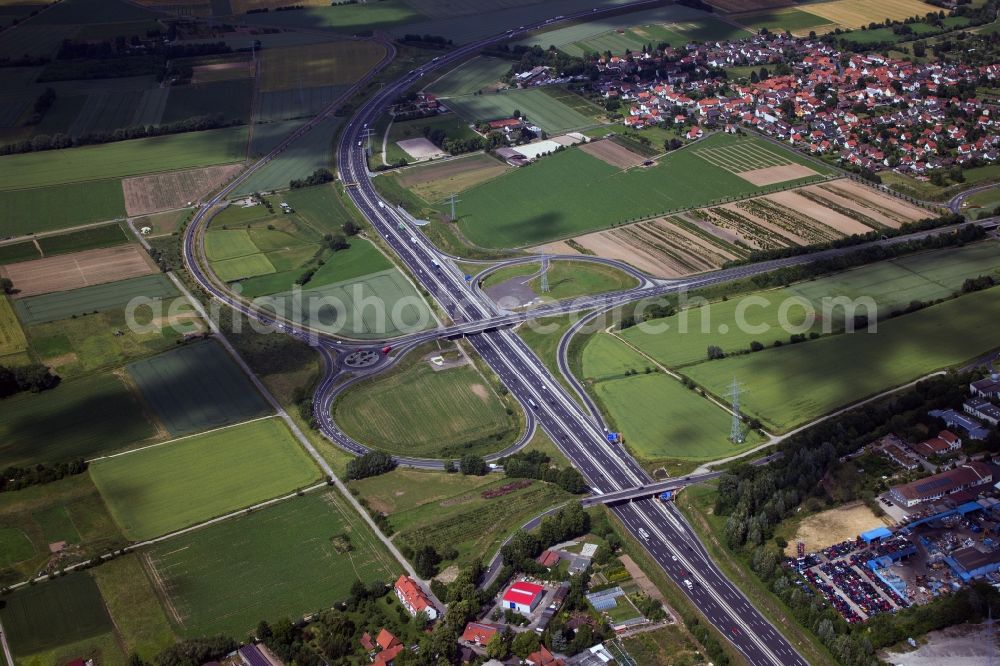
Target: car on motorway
(688, 584)
(644, 534)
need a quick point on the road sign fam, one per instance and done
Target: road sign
(468, 278)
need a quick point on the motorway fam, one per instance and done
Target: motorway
(607, 467)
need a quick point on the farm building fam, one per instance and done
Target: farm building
(479, 633)
(250, 655)
(971, 562)
(548, 559)
(413, 598)
(935, 487)
(389, 648)
(523, 597)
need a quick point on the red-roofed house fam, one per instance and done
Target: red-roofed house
(479, 633)
(413, 598)
(548, 559)
(523, 597)
(945, 442)
(543, 658)
(390, 648)
(366, 642)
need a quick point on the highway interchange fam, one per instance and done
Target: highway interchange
(608, 468)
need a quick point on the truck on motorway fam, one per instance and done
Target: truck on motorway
(436, 264)
(534, 405)
(688, 584)
(386, 349)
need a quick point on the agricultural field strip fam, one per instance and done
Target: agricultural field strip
(178, 439)
(741, 157)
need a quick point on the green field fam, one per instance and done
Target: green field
(283, 554)
(78, 418)
(86, 12)
(31, 518)
(796, 383)
(100, 297)
(15, 252)
(374, 306)
(343, 17)
(449, 509)
(637, 36)
(470, 77)
(164, 488)
(47, 616)
(290, 244)
(309, 152)
(567, 279)
(570, 192)
(537, 108)
(231, 99)
(12, 340)
(197, 387)
(418, 411)
(130, 598)
(660, 419)
(776, 20)
(85, 343)
(60, 206)
(123, 158)
(93, 238)
(684, 338)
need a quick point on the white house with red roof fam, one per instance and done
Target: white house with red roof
(413, 598)
(523, 597)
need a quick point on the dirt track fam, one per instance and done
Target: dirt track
(79, 269)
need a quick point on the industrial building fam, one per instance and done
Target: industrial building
(966, 476)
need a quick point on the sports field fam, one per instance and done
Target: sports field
(567, 193)
(123, 158)
(324, 64)
(684, 338)
(419, 411)
(538, 109)
(163, 488)
(60, 206)
(379, 304)
(32, 518)
(197, 387)
(796, 383)
(470, 77)
(790, 19)
(96, 298)
(434, 182)
(69, 609)
(285, 554)
(12, 340)
(77, 419)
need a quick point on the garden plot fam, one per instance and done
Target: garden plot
(79, 269)
(611, 153)
(815, 208)
(847, 195)
(669, 247)
(166, 191)
(754, 162)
